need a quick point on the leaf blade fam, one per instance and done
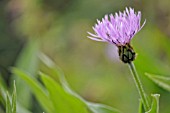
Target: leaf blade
(14, 99)
(163, 82)
(27, 61)
(58, 73)
(155, 104)
(74, 105)
(8, 104)
(101, 108)
(37, 89)
(141, 109)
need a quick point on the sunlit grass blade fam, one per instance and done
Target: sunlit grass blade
(163, 82)
(20, 109)
(8, 104)
(27, 61)
(37, 89)
(14, 99)
(155, 104)
(63, 102)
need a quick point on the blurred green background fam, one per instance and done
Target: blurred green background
(59, 29)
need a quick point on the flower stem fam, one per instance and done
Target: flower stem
(139, 86)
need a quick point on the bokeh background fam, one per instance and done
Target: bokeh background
(59, 29)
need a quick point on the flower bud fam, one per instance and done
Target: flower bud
(126, 53)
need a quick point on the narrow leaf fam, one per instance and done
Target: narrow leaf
(101, 108)
(27, 61)
(8, 104)
(58, 73)
(14, 100)
(2, 91)
(163, 82)
(63, 102)
(37, 89)
(141, 108)
(155, 104)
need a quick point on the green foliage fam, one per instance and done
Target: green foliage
(62, 101)
(59, 98)
(37, 89)
(141, 108)
(2, 91)
(11, 107)
(8, 104)
(163, 82)
(61, 26)
(27, 61)
(56, 99)
(155, 104)
(14, 99)
(101, 108)
(57, 72)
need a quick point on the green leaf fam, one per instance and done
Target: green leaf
(14, 100)
(37, 89)
(62, 101)
(163, 82)
(27, 61)
(2, 91)
(155, 104)
(141, 108)
(101, 108)
(8, 104)
(58, 73)
(12, 109)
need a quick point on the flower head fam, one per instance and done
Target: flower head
(118, 29)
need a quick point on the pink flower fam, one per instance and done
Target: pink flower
(118, 29)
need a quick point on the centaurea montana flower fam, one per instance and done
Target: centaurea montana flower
(119, 30)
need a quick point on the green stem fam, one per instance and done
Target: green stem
(139, 86)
